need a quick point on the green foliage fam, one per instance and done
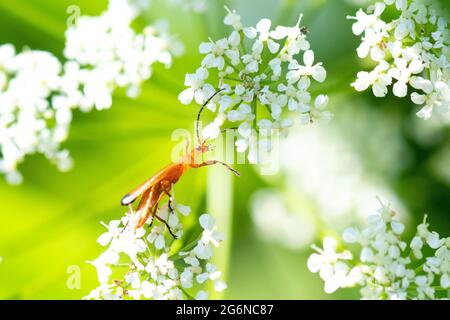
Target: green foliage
(52, 221)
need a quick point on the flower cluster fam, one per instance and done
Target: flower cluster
(388, 267)
(144, 263)
(259, 82)
(412, 49)
(30, 122)
(102, 53)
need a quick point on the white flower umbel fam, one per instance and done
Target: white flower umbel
(29, 122)
(263, 87)
(147, 264)
(386, 267)
(38, 92)
(104, 53)
(410, 50)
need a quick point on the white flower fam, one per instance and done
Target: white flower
(419, 54)
(367, 21)
(203, 251)
(29, 123)
(103, 53)
(316, 71)
(385, 269)
(397, 227)
(195, 82)
(201, 295)
(213, 274)
(372, 42)
(152, 272)
(212, 130)
(402, 73)
(326, 262)
(436, 96)
(186, 279)
(215, 54)
(111, 54)
(210, 235)
(262, 30)
(233, 19)
(378, 79)
(113, 230)
(184, 210)
(263, 75)
(325, 256)
(424, 289)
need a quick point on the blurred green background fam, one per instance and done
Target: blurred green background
(52, 221)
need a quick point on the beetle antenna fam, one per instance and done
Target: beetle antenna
(230, 168)
(226, 165)
(197, 130)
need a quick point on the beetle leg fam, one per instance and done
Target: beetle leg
(153, 215)
(170, 198)
(169, 204)
(167, 225)
(130, 213)
(213, 162)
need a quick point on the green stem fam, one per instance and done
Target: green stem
(188, 247)
(228, 63)
(241, 43)
(220, 206)
(233, 79)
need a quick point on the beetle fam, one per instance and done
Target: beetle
(154, 189)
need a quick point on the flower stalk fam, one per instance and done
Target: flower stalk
(220, 204)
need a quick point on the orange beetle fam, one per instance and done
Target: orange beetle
(158, 186)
